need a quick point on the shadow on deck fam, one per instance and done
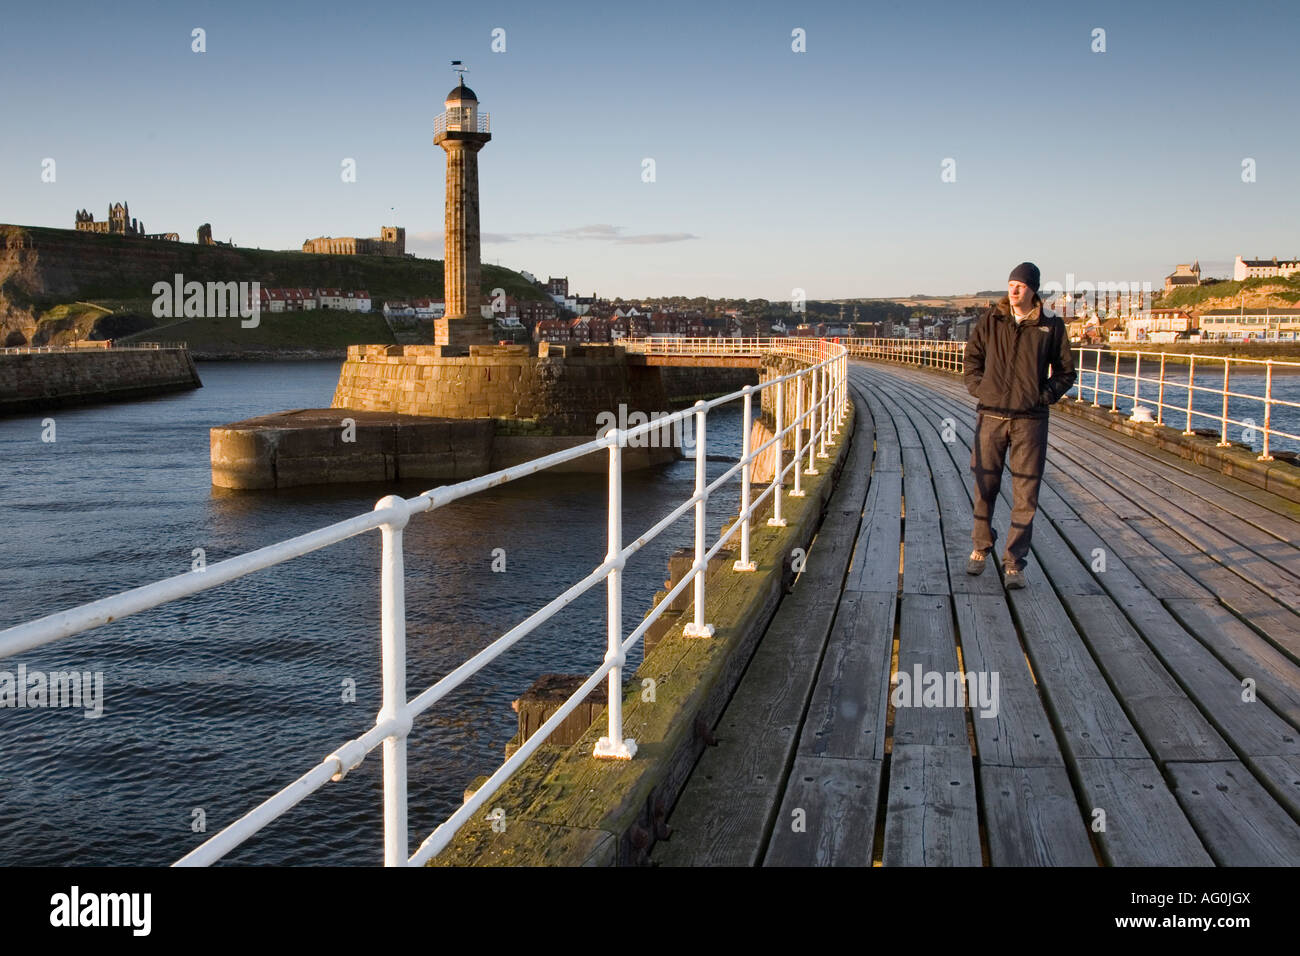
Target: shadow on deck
(1140, 697)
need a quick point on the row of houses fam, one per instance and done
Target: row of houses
(633, 323)
(1159, 326)
(303, 300)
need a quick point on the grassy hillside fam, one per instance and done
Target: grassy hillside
(316, 329)
(59, 284)
(1274, 293)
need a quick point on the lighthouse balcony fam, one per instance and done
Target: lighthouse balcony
(461, 121)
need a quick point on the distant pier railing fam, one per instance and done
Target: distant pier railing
(951, 356)
(823, 378)
(87, 346)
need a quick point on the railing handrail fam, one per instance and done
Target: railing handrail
(826, 374)
(107, 347)
(952, 358)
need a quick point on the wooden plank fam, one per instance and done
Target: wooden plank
(926, 646)
(1170, 724)
(846, 716)
(925, 566)
(1269, 565)
(1252, 728)
(1094, 527)
(1019, 734)
(726, 807)
(1143, 823)
(1032, 818)
(1281, 776)
(1239, 823)
(1249, 501)
(874, 566)
(931, 817)
(828, 815)
(888, 452)
(1269, 617)
(1089, 720)
(1247, 655)
(702, 836)
(953, 498)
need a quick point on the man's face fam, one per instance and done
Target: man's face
(1021, 295)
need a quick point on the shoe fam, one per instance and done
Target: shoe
(1014, 580)
(975, 564)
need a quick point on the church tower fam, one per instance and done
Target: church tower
(461, 130)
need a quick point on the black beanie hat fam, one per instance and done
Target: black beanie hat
(1027, 273)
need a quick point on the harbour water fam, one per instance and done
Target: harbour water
(213, 703)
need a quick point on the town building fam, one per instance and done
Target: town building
(345, 299)
(1264, 268)
(1275, 325)
(1183, 276)
(1159, 326)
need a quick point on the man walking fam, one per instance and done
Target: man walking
(1008, 354)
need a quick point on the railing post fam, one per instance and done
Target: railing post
(825, 408)
(1268, 408)
(614, 744)
(1114, 387)
(1191, 382)
(798, 434)
(1096, 381)
(1137, 378)
(1223, 438)
(1160, 396)
(776, 521)
(812, 425)
(744, 564)
(698, 628)
(1079, 397)
(392, 595)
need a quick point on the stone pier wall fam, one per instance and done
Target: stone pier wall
(34, 381)
(559, 391)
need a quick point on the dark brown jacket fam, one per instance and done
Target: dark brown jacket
(1007, 367)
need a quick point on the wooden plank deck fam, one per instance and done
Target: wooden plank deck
(1147, 701)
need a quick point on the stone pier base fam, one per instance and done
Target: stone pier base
(319, 446)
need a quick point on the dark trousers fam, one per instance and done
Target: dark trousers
(1026, 440)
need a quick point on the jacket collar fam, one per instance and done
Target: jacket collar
(1002, 311)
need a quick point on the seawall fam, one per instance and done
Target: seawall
(35, 381)
(559, 390)
(317, 446)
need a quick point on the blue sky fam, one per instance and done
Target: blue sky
(774, 169)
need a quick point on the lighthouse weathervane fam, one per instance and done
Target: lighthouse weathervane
(461, 130)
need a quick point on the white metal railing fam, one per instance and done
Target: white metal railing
(824, 370)
(933, 353)
(1163, 381)
(951, 356)
(38, 349)
(445, 123)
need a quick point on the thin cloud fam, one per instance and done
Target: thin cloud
(594, 232)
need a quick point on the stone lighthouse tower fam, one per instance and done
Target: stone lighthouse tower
(461, 130)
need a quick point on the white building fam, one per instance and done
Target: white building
(348, 300)
(1272, 324)
(1264, 268)
(429, 308)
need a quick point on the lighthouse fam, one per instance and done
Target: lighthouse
(462, 130)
